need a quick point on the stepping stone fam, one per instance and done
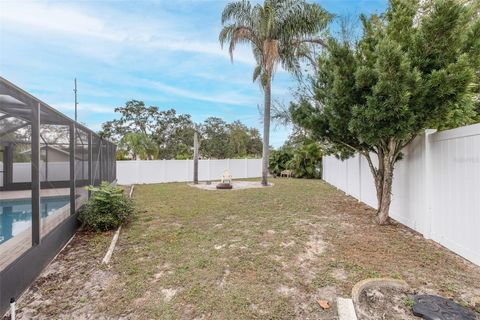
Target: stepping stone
(431, 307)
(346, 310)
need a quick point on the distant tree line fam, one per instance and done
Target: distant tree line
(144, 132)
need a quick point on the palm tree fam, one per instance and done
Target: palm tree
(139, 145)
(281, 32)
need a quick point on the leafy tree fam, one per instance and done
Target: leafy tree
(254, 145)
(238, 139)
(413, 68)
(279, 32)
(139, 145)
(135, 117)
(174, 135)
(306, 161)
(279, 160)
(222, 140)
(214, 141)
(243, 141)
(150, 133)
(183, 152)
(168, 130)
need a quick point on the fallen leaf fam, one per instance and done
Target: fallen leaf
(324, 304)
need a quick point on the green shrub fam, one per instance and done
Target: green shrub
(305, 161)
(279, 159)
(106, 209)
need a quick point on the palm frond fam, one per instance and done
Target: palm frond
(281, 32)
(257, 72)
(239, 11)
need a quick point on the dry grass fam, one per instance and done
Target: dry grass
(263, 254)
(266, 253)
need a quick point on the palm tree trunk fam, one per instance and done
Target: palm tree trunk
(195, 158)
(266, 132)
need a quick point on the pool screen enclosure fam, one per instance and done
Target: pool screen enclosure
(46, 161)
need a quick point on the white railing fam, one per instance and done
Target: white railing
(436, 189)
(159, 171)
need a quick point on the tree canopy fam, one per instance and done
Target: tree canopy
(413, 68)
(150, 133)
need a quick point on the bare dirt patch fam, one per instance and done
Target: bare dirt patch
(69, 285)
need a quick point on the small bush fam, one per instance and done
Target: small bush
(279, 159)
(305, 161)
(106, 209)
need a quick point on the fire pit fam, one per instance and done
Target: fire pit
(226, 181)
(224, 186)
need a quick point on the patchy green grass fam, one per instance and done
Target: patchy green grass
(264, 254)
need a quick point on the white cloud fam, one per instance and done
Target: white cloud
(233, 98)
(45, 17)
(73, 21)
(164, 54)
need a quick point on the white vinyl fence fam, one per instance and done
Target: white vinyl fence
(436, 189)
(51, 171)
(158, 171)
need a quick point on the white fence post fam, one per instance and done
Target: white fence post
(347, 187)
(428, 184)
(359, 177)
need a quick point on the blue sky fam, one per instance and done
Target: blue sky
(165, 53)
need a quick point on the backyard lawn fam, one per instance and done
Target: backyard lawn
(245, 254)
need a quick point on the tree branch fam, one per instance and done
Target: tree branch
(370, 163)
(314, 41)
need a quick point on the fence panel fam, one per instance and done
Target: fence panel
(456, 187)
(408, 201)
(435, 189)
(159, 171)
(175, 171)
(238, 168)
(253, 168)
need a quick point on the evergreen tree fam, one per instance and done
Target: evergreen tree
(413, 68)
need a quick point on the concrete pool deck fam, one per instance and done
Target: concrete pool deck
(26, 194)
(14, 247)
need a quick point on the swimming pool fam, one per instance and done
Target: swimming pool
(16, 215)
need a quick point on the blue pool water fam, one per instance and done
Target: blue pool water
(16, 215)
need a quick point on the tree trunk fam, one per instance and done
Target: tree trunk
(383, 178)
(195, 158)
(384, 208)
(379, 178)
(266, 133)
(384, 188)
